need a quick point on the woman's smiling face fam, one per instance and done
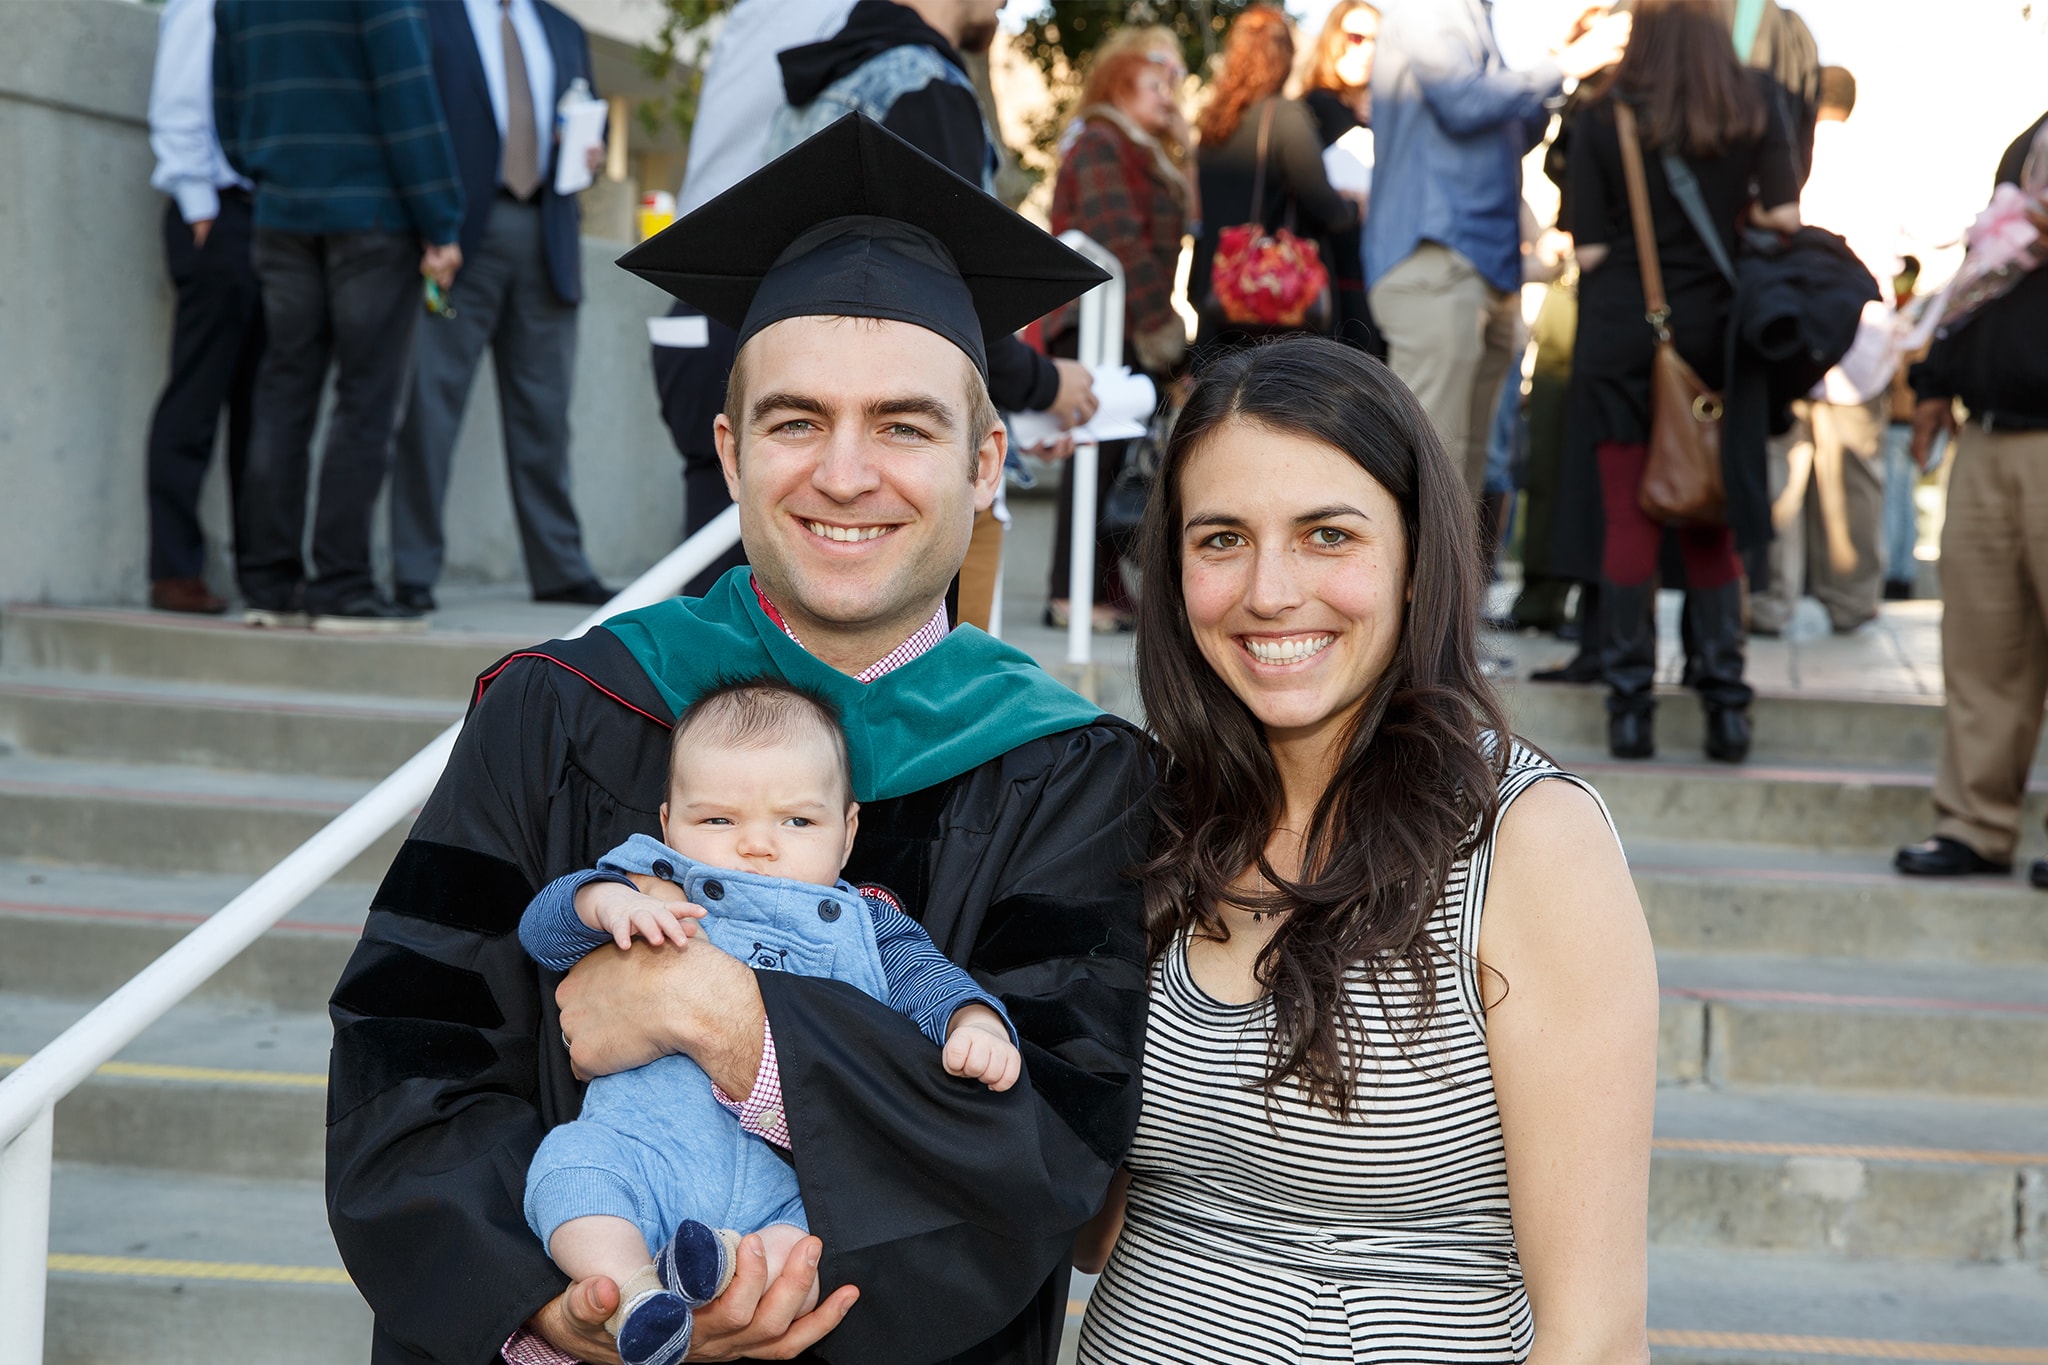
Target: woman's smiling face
(1294, 567)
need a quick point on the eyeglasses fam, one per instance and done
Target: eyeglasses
(1169, 69)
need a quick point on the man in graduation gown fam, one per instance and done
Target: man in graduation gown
(997, 807)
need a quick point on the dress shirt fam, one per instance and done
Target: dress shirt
(1451, 125)
(189, 164)
(486, 21)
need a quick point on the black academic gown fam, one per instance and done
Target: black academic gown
(951, 1207)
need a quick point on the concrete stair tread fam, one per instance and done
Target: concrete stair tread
(118, 1211)
(87, 688)
(1708, 858)
(438, 664)
(1856, 983)
(285, 1047)
(177, 898)
(37, 775)
(1921, 1128)
(481, 619)
(1698, 1291)
(1593, 763)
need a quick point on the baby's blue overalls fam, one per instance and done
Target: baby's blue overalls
(653, 1146)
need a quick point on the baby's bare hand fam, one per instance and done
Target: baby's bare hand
(979, 1048)
(626, 913)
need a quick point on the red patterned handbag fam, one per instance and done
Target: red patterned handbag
(1268, 279)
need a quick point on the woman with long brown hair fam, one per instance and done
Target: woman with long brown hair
(1696, 105)
(1401, 1049)
(1258, 55)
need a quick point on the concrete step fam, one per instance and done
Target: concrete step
(1846, 1024)
(1812, 806)
(1775, 899)
(1790, 727)
(211, 1088)
(1847, 1175)
(1730, 1308)
(67, 931)
(194, 1270)
(214, 725)
(154, 817)
(439, 665)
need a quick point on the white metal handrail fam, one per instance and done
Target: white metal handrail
(28, 1096)
(1101, 343)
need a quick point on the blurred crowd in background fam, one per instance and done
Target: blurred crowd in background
(374, 216)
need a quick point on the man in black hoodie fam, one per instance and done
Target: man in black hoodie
(1994, 564)
(900, 63)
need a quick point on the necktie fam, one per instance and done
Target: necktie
(520, 166)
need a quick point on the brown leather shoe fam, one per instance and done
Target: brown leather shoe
(185, 594)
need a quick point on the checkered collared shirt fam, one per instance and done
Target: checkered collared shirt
(760, 1113)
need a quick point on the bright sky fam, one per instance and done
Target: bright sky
(1943, 86)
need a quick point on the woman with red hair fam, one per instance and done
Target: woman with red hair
(1258, 54)
(1123, 181)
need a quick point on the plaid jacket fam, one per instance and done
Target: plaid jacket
(1109, 188)
(329, 106)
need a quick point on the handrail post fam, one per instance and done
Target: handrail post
(25, 1239)
(1101, 343)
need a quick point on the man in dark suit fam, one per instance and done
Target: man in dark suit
(502, 68)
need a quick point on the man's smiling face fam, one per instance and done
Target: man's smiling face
(858, 468)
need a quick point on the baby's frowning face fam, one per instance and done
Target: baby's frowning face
(780, 809)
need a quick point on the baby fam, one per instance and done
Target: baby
(759, 821)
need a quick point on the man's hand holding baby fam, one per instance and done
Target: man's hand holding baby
(651, 909)
(978, 1047)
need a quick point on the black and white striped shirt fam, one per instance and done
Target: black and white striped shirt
(1278, 1233)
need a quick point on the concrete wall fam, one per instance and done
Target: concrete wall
(85, 317)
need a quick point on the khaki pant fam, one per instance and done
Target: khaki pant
(978, 574)
(1827, 495)
(1450, 337)
(1994, 634)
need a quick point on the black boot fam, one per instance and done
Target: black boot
(1628, 662)
(1585, 665)
(1716, 669)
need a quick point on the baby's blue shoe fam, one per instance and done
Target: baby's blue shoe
(697, 1263)
(656, 1330)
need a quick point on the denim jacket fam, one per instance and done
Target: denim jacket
(774, 924)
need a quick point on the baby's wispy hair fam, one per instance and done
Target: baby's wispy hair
(758, 712)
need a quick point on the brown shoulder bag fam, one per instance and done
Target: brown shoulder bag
(1682, 482)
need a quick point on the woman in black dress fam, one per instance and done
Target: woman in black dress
(1692, 98)
(1257, 55)
(1338, 93)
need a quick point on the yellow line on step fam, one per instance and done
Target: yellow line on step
(217, 1075)
(153, 1268)
(1860, 1347)
(1938, 1155)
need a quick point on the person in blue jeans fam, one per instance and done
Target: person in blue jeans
(648, 1185)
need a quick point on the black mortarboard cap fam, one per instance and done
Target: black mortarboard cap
(856, 222)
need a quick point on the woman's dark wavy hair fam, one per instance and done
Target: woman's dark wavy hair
(1415, 783)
